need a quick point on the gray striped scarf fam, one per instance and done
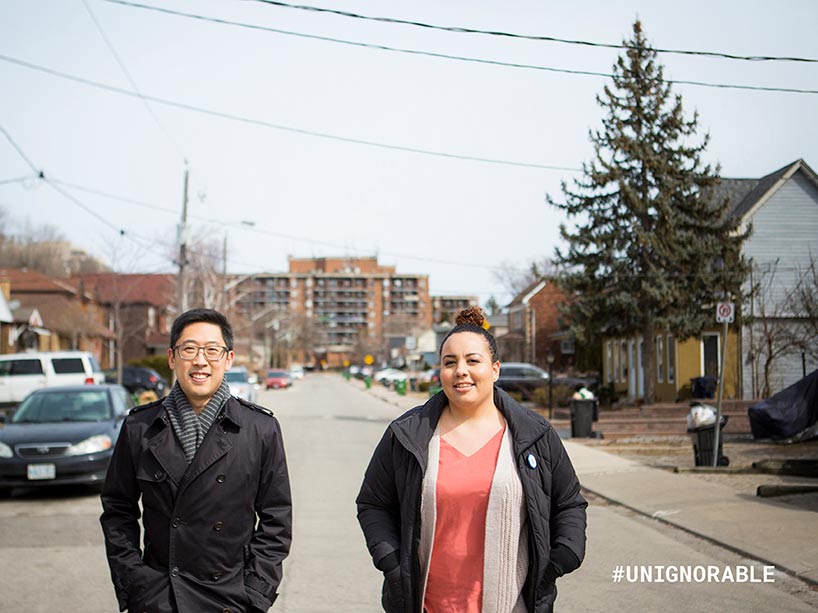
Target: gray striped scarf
(190, 428)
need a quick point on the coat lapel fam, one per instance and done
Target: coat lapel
(167, 451)
(217, 442)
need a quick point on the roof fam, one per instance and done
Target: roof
(746, 195)
(66, 315)
(153, 289)
(25, 281)
(524, 296)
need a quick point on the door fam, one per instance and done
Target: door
(710, 355)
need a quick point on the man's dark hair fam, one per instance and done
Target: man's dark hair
(208, 316)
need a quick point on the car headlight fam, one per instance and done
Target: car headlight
(5, 451)
(94, 444)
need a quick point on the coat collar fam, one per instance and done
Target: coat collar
(415, 428)
(168, 451)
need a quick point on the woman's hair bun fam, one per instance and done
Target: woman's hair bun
(472, 315)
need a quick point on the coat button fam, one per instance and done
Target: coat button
(226, 610)
(220, 478)
(158, 475)
(175, 522)
(174, 572)
(218, 526)
(216, 576)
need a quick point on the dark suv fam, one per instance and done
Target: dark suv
(521, 378)
(138, 379)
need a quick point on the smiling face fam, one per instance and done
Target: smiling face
(467, 373)
(200, 378)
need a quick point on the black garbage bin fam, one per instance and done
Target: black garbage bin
(703, 387)
(704, 438)
(583, 414)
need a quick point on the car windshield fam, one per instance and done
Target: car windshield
(49, 407)
(236, 376)
(277, 373)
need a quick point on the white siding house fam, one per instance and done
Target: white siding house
(783, 211)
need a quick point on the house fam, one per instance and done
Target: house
(51, 314)
(761, 358)
(533, 321)
(137, 311)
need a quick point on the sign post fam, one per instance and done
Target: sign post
(725, 313)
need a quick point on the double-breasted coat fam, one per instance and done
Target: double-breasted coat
(215, 531)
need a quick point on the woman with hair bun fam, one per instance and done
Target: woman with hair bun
(470, 503)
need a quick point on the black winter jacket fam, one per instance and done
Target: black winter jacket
(203, 549)
(389, 503)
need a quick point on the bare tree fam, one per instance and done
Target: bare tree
(802, 302)
(515, 278)
(783, 322)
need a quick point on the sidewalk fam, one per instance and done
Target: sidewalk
(770, 531)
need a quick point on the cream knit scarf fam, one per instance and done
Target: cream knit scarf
(505, 552)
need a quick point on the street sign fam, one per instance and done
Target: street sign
(725, 312)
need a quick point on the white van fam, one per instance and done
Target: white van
(22, 373)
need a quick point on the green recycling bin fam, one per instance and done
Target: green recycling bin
(368, 382)
(400, 387)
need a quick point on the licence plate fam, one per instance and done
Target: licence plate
(41, 471)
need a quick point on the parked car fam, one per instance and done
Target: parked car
(22, 373)
(62, 435)
(277, 379)
(138, 379)
(296, 372)
(388, 376)
(238, 379)
(521, 378)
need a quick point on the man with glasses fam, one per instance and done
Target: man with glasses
(215, 494)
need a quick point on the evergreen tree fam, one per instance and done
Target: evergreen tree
(652, 250)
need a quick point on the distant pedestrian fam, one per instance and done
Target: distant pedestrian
(470, 503)
(212, 478)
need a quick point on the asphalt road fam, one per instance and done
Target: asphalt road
(52, 556)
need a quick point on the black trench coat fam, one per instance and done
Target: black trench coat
(204, 549)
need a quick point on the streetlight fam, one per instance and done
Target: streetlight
(550, 359)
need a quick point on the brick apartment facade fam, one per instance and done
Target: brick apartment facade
(444, 308)
(333, 309)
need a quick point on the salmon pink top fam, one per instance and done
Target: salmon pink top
(455, 581)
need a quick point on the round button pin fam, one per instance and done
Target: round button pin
(532, 461)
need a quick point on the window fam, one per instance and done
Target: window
(609, 360)
(623, 361)
(65, 366)
(660, 360)
(26, 367)
(671, 359)
(710, 354)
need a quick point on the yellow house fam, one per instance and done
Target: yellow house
(677, 365)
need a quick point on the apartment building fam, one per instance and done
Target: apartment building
(333, 309)
(444, 308)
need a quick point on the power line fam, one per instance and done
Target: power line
(553, 39)
(285, 128)
(127, 74)
(268, 232)
(16, 180)
(570, 71)
(41, 175)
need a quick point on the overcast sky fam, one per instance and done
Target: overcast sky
(312, 195)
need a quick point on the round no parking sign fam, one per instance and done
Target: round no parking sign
(725, 312)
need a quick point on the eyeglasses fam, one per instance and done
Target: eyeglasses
(212, 353)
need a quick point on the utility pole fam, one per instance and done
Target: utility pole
(181, 294)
